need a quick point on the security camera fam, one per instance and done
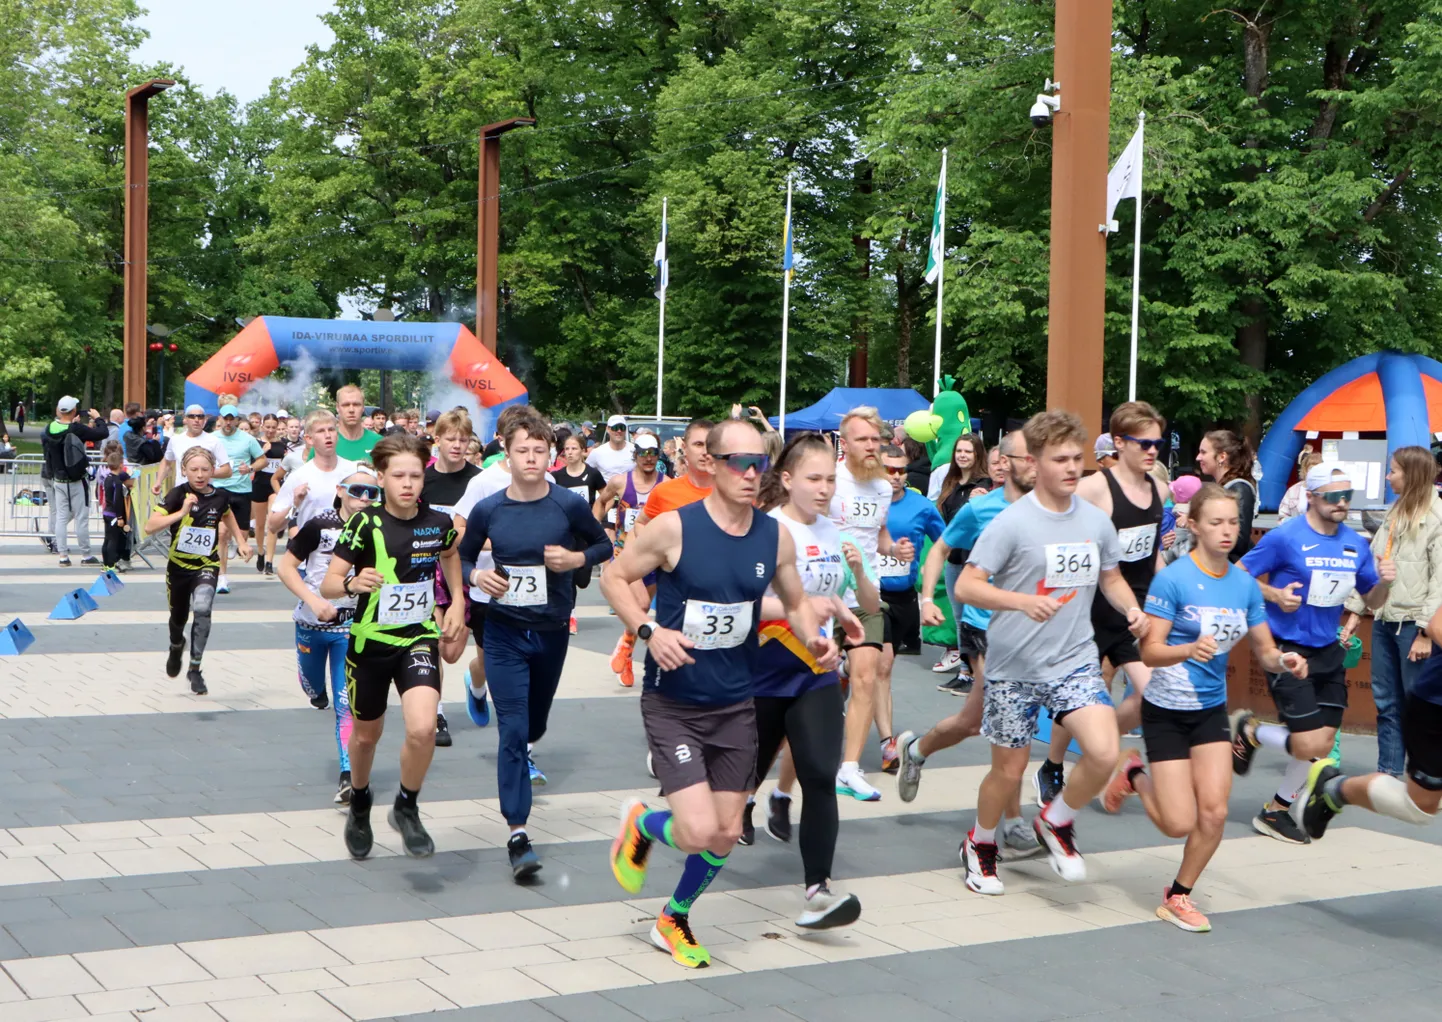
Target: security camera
(1043, 108)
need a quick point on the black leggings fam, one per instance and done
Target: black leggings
(190, 592)
(815, 725)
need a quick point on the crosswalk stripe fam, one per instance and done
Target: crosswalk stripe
(224, 616)
(363, 972)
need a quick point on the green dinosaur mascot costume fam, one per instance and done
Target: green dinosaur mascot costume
(938, 429)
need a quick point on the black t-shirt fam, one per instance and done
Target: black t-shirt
(194, 539)
(443, 490)
(274, 452)
(494, 447)
(587, 484)
(407, 553)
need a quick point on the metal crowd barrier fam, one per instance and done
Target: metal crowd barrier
(25, 499)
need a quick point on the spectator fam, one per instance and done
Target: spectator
(65, 472)
(131, 411)
(7, 451)
(1294, 501)
(117, 419)
(20, 417)
(112, 489)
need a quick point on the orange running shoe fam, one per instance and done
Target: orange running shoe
(1178, 910)
(621, 655)
(1119, 787)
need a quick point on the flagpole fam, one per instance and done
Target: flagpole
(785, 312)
(940, 279)
(1137, 260)
(661, 329)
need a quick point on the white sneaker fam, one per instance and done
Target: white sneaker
(823, 910)
(222, 585)
(851, 781)
(1017, 840)
(1061, 849)
(979, 862)
(949, 662)
(908, 777)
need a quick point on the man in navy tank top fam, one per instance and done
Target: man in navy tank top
(714, 560)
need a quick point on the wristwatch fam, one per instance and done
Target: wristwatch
(346, 586)
(644, 632)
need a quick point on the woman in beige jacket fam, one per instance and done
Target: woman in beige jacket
(1411, 535)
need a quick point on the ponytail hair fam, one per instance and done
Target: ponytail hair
(1238, 452)
(772, 494)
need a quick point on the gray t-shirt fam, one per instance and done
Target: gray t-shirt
(1028, 549)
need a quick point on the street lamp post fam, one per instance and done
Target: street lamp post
(488, 227)
(137, 229)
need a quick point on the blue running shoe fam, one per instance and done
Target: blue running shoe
(538, 779)
(479, 709)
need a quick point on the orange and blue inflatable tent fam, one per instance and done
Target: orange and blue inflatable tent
(268, 342)
(1389, 392)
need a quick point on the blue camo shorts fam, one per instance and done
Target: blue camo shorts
(1008, 716)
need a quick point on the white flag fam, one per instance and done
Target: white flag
(662, 264)
(938, 229)
(1124, 181)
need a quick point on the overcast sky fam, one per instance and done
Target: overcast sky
(238, 47)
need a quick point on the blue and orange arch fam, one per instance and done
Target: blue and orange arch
(269, 342)
(1387, 391)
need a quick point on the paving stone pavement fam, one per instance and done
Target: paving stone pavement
(172, 859)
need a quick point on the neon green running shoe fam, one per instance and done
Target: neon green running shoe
(673, 933)
(631, 849)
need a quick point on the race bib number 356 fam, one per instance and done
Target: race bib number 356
(1072, 565)
(893, 567)
(716, 625)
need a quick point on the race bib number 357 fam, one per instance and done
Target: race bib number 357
(1072, 565)
(716, 625)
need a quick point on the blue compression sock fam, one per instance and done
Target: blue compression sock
(697, 875)
(656, 826)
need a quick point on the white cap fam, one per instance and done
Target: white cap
(645, 442)
(194, 410)
(282, 414)
(616, 420)
(1326, 474)
(67, 404)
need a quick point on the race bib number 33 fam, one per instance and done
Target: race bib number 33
(716, 625)
(1072, 565)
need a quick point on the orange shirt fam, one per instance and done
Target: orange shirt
(673, 494)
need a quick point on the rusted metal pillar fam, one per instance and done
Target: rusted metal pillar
(488, 227)
(137, 229)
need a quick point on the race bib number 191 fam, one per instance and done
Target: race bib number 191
(716, 625)
(1072, 565)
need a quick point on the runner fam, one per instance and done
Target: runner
(534, 529)
(309, 488)
(1200, 607)
(615, 456)
(322, 627)
(262, 492)
(798, 702)
(194, 435)
(446, 480)
(245, 456)
(353, 441)
(716, 559)
(860, 508)
(1050, 554)
(394, 551)
(628, 493)
(575, 475)
(1311, 564)
(1015, 839)
(914, 518)
(670, 495)
(1127, 494)
(194, 512)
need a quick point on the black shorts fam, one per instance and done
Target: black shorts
(368, 676)
(1171, 734)
(476, 618)
(971, 641)
(260, 489)
(692, 744)
(1422, 738)
(902, 624)
(240, 507)
(1318, 700)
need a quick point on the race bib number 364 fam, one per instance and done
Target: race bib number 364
(1072, 565)
(716, 625)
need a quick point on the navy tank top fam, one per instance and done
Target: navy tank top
(713, 596)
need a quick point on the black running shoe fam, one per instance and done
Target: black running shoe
(778, 819)
(1278, 823)
(343, 789)
(90, 559)
(958, 686)
(172, 662)
(1243, 746)
(358, 836)
(260, 562)
(443, 732)
(270, 569)
(524, 860)
(407, 821)
(1048, 782)
(1318, 809)
(197, 682)
(748, 827)
(320, 701)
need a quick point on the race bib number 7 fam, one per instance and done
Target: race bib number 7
(1330, 588)
(716, 625)
(1072, 565)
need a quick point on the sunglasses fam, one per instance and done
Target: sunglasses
(892, 471)
(1337, 496)
(743, 463)
(1146, 445)
(617, 429)
(363, 491)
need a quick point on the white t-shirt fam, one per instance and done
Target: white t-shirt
(611, 462)
(859, 510)
(175, 450)
(320, 489)
(933, 484)
(491, 481)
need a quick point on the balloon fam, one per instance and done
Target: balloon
(175, 347)
(922, 426)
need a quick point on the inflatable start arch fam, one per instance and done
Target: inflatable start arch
(269, 342)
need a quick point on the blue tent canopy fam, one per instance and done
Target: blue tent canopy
(894, 404)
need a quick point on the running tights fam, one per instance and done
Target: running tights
(190, 592)
(313, 648)
(814, 723)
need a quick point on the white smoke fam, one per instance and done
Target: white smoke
(298, 393)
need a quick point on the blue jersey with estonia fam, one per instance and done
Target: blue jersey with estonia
(1195, 601)
(915, 518)
(713, 597)
(1329, 568)
(962, 532)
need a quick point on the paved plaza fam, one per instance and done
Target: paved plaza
(172, 858)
